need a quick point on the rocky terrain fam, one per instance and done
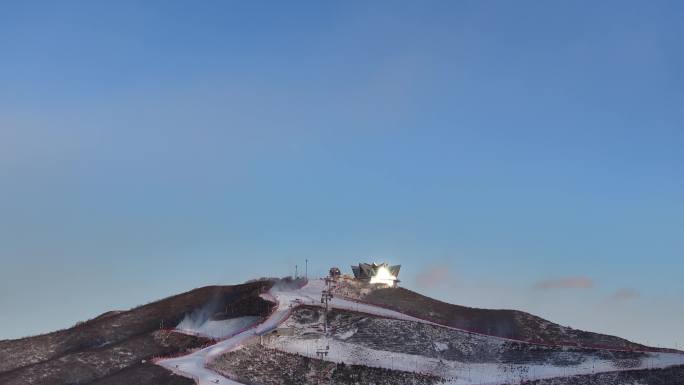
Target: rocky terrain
(256, 365)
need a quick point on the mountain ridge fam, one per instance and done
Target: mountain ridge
(119, 346)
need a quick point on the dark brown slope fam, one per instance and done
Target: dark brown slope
(143, 374)
(93, 364)
(116, 343)
(501, 323)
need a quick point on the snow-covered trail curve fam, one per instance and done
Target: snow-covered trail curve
(193, 365)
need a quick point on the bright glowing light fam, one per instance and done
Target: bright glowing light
(383, 276)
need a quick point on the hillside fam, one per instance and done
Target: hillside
(274, 332)
(512, 324)
(357, 342)
(117, 347)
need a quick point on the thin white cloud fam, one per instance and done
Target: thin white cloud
(624, 294)
(565, 283)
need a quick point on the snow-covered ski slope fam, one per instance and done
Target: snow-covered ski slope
(194, 365)
(458, 373)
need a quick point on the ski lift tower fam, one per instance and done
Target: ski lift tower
(326, 296)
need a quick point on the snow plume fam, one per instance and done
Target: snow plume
(200, 322)
(194, 320)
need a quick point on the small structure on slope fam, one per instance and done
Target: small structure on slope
(335, 273)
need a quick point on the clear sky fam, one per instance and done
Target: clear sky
(508, 154)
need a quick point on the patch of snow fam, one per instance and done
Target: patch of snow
(441, 346)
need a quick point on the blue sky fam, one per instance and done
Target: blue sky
(509, 154)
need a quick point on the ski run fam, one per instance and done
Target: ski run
(193, 365)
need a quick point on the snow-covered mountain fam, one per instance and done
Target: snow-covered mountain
(317, 331)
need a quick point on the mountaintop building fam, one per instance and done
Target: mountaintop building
(381, 273)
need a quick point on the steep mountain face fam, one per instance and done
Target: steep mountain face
(274, 332)
(501, 323)
(116, 347)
